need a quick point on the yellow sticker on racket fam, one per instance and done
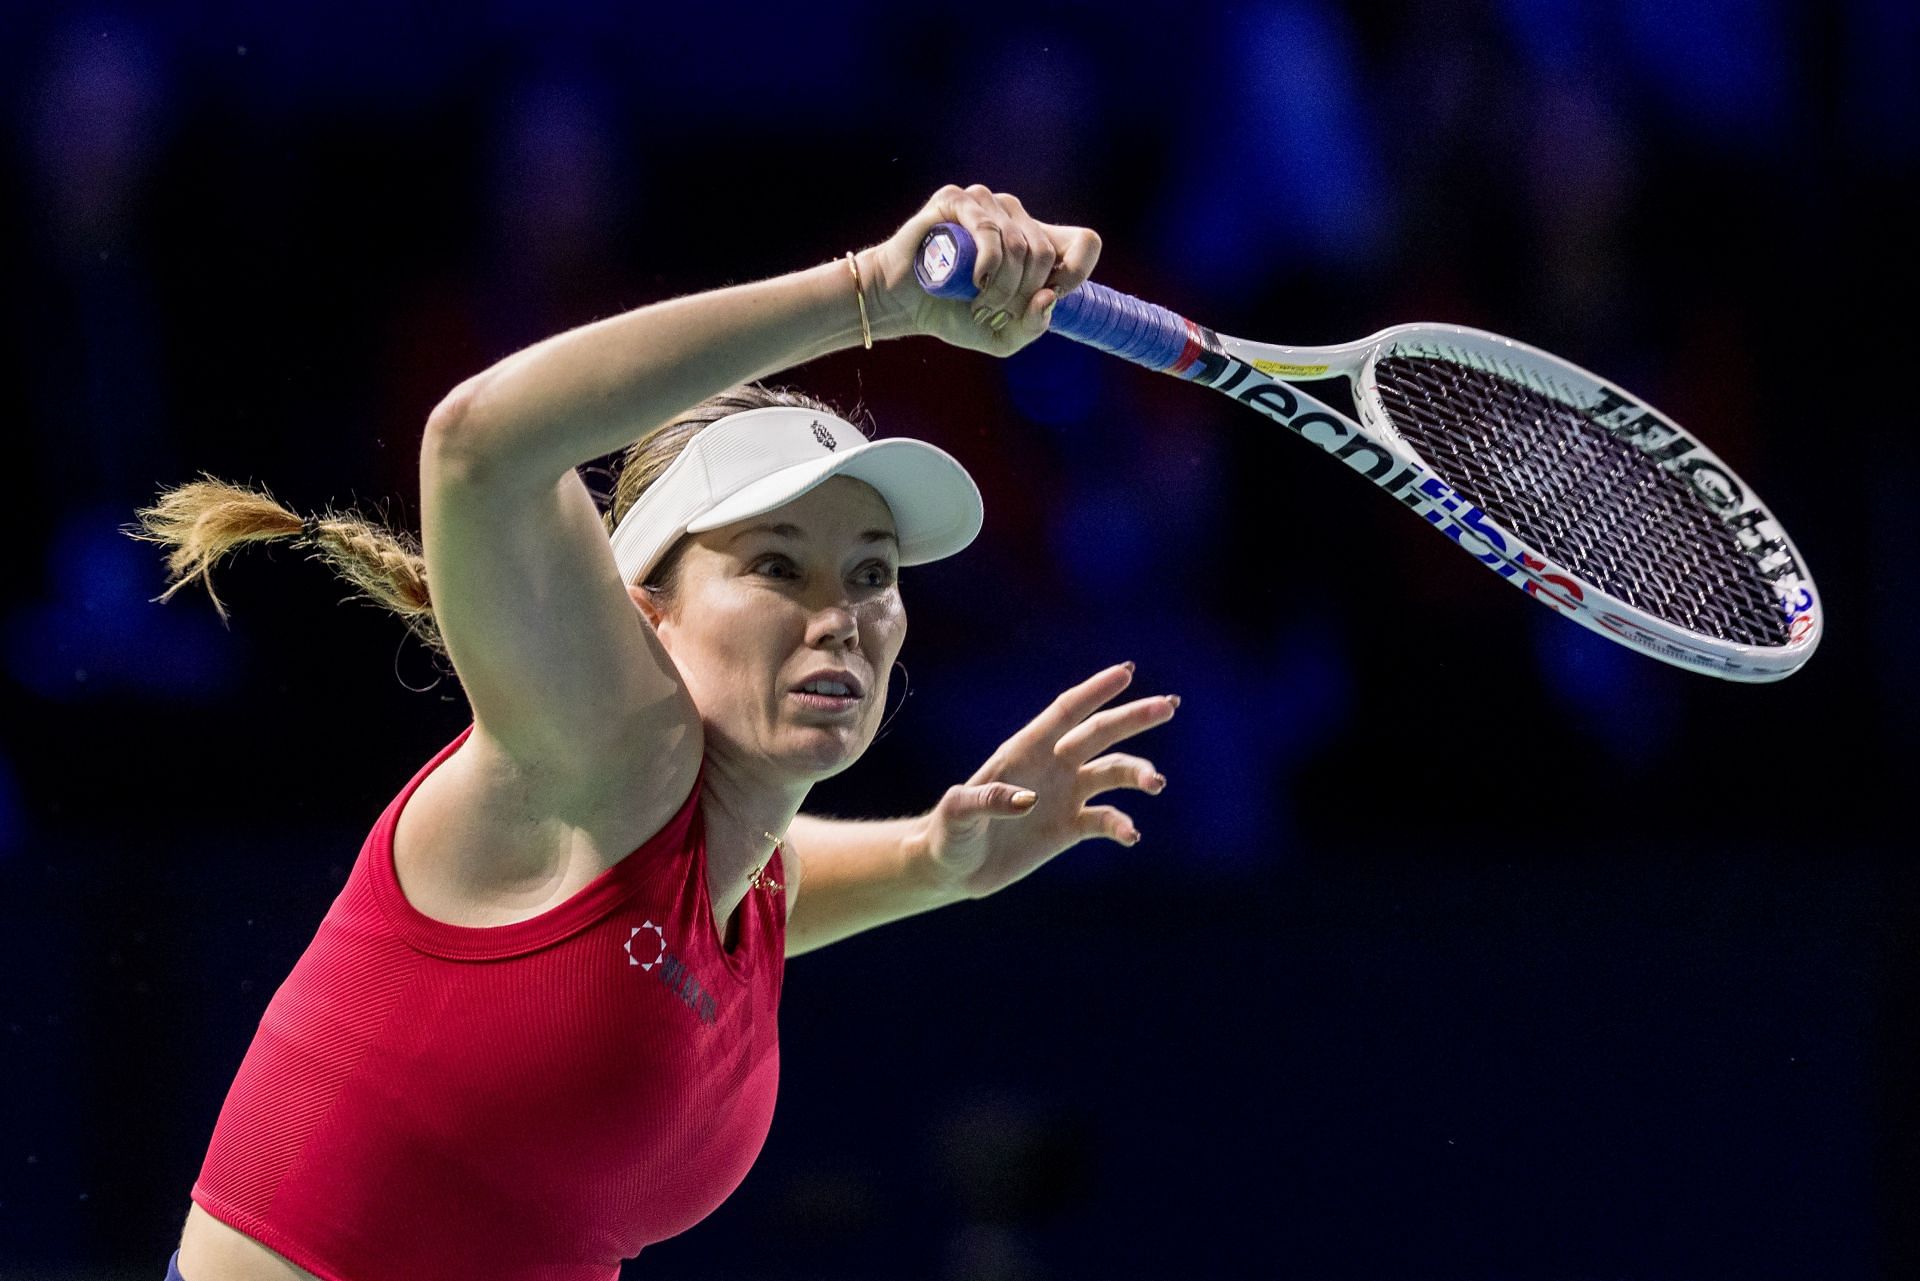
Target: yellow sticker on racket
(1284, 370)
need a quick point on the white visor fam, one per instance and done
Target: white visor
(753, 462)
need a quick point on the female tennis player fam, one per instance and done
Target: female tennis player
(536, 1030)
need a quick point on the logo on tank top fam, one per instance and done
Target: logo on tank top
(824, 436)
(646, 947)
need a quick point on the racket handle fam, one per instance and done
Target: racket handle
(1118, 323)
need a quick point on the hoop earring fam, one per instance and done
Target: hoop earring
(906, 689)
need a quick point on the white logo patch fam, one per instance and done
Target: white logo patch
(660, 940)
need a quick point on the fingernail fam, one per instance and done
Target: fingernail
(1023, 797)
(979, 315)
(1047, 315)
(1159, 782)
(1128, 664)
(1173, 700)
(1134, 838)
(1000, 318)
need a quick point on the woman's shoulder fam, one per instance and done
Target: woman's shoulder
(485, 838)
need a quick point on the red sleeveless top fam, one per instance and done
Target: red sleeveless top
(525, 1102)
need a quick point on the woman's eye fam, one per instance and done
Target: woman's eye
(875, 575)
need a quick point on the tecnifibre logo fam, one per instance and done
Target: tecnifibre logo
(646, 947)
(824, 436)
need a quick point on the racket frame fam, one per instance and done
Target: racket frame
(1264, 377)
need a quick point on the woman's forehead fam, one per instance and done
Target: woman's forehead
(839, 507)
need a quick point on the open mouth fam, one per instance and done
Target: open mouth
(829, 692)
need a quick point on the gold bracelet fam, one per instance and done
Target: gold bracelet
(860, 296)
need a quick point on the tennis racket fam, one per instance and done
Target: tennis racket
(1583, 496)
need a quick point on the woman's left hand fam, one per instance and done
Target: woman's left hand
(1029, 801)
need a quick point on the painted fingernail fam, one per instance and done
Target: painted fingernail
(1000, 318)
(979, 315)
(1024, 798)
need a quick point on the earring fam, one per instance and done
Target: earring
(905, 689)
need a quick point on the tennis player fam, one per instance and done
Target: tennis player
(536, 1030)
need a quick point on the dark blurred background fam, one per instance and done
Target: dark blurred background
(1462, 944)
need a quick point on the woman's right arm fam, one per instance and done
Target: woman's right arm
(561, 669)
(562, 672)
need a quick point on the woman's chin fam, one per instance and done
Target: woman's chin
(826, 751)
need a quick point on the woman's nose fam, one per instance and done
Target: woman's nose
(833, 625)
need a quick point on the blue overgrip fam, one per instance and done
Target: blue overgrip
(1118, 323)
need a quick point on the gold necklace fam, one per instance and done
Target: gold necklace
(759, 880)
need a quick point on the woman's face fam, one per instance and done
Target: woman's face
(767, 603)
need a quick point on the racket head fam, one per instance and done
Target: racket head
(1591, 500)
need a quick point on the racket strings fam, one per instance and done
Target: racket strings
(1593, 503)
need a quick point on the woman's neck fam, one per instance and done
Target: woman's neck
(744, 821)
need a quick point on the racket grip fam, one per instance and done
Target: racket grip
(1117, 323)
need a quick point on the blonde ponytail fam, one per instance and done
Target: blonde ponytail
(203, 520)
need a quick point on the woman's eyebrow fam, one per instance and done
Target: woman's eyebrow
(785, 530)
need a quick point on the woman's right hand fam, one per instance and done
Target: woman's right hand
(1023, 266)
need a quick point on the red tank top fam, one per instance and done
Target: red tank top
(526, 1102)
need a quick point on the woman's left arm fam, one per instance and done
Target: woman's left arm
(1027, 804)
(848, 875)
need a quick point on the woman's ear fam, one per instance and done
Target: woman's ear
(644, 601)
